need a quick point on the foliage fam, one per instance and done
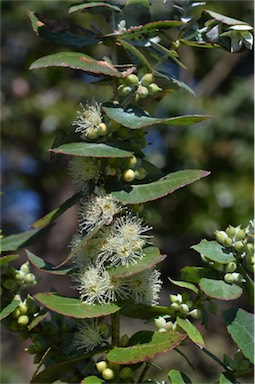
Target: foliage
(114, 264)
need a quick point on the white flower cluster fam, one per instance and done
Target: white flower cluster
(118, 241)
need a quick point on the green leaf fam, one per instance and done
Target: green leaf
(72, 307)
(57, 31)
(9, 309)
(198, 44)
(76, 60)
(218, 289)
(136, 56)
(227, 378)
(143, 311)
(177, 377)
(93, 4)
(141, 193)
(214, 251)
(185, 284)
(153, 344)
(224, 19)
(41, 315)
(91, 150)
(21, 240)
(191, 331)
(150, 259)
(161, 52)
(92, 380)
(7, 259)
(46, 266)
(135, 118)
(193, 274)
(53, 215)
(240, 325)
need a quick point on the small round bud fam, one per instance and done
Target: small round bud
(90, 134)
(125, 91)
(175, 306)
(108, 374)
(126, 373)
(39, 346)
(160, 322)
(23, 320)
(124, 340)
(29, 279)
(240, 235)
(229, 278)
(102, 129)
(132, 80)
(154, 88)
(175, 325)
(25, 268)
(110, 171)
(173, 298)
(101, 366)
(239, 246)
(140, 173)
(131, 161)
(231, 231)
(23, 308)
(16, 313)
(169, 326)
(128, 175)
(196, 313)
(238, 278)
(220, 236)
(19, 275)
(142, 91)
(228, 242)
(147, 79)
(184, 309)
(230, 267)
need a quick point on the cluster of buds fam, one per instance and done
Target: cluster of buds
(139, 88)
(107, 370)
(183, 306)
(23, 315)
(127, 169)
(16, 279)
(239, 363)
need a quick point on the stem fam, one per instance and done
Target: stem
(115, 317)
(248, 285)
(215, 358)
(143, 373)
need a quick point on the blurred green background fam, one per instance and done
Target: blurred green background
(39, 105)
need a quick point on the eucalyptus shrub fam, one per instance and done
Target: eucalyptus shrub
(113, 264)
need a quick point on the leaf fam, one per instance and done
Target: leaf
(240, 325)
(185, 284)
(191, 331)
(7, 259)
(193, 274)
(72, 307)
(91, 150)
(24, 239)
(53, 215)
(48, 267)
(227, 378)
(218, 289)
(93, 4)
(42, 314)
(177, 377)
(153, 344)
(224, 19)
(198, 44)
(150, 259)
(161, 52)
(9, 309)
(76, 60)
(214, 251)
(141, 193)
(135, 118)
(143, 311)
(149, 29)
(136, 56)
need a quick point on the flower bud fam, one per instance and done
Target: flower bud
(229, 278)
(238, 278)
(108, 374)
(239, 246)
(175, 325)
(131, 161)
(140, 173)
(110, 171)
(196, 313)
(231, 231)
(23, 308)
(132, 80)
(142, 91)
(126, 373)
(30, 279)
(23, 320)
(25, 268)
(175, 306)
(184, 309)
(16, 313)
(102, 129)
(228, 242)
(19, 275)
(101, 366)
(128, 175)
(169, 326)
(153, 88)
(230, 267)
(90, 134)
(218, 266)
(160, 322)
(162, 330)
(220, 236)
(240, 235)
(125, 91)
(147, 79)
(124, 340)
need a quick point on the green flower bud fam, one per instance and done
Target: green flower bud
(25, 268)
(101, 366)
(108, 374)
(19, 276)
(175, 326)
(16, 313)
(175, 306)
(162, 330)
(128, 175)
(102, 129)
(228, 242)
(125, 91)
(173, 298)
(126, 373)
(137, 207)
(142, 91)
(154, 88)
(30, 279)
(196, 313)
(238, 278)
(220, 236)
(23, 320)
(230, 267)
(240, 235)
(231, 231)
(132, 80)
(140, 173)
(218, 266)
(147, 79)
(229, 278)
(239, 246)
(90, 134)
(23, 308)
(169, 326)
(184, 309)
(131, 161)
(160, 322)
(124, 340)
